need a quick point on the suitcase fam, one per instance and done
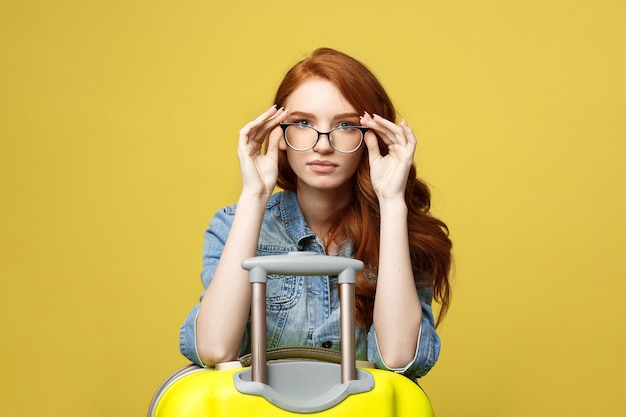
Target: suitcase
(292, 381)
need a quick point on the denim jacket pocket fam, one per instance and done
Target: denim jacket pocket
(282, 292)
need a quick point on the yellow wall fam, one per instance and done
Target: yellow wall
(118, 127)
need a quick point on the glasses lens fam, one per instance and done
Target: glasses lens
(346, 139)
(300, 137)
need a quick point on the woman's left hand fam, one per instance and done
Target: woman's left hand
(389, 173)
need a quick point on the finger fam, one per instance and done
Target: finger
(270, 124)
(392, 130)
(274, 120)
(263, 117)
(366, 118)
(272, 142)
(388, 131)
(256, 131)
(408, 132)
(267, 114)
(369, 122)
(371, 141)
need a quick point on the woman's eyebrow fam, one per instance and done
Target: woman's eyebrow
(347, 115)
(302, 114)
(312, 116)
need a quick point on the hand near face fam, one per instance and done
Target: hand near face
(260, 171)
(389, 173)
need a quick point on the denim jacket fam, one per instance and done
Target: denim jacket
(301, 311)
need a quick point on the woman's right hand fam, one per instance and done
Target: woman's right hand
(260, 171)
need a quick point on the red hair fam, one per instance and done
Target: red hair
(359, 222)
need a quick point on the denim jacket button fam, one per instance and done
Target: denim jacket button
(327, 344)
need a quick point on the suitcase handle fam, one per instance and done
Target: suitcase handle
(296, 352)
(315, 353)
(308, 264)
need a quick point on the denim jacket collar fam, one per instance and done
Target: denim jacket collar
(295, 224)
(293, 219)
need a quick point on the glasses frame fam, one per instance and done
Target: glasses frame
(362, 129)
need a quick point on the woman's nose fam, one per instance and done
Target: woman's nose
(323, 144)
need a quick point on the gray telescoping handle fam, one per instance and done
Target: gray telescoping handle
(303, 263)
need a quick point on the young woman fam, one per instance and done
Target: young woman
(349, 189)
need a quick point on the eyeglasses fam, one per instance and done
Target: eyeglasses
(343, 139)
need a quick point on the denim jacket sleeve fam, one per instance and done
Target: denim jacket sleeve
(428, 343)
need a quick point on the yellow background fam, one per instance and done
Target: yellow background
(118, 127)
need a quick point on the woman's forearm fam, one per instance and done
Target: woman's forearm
(225, 307)
(397, 309)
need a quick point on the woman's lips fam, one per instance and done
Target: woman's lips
(322, 166)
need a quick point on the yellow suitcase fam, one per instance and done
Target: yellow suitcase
(292, 381)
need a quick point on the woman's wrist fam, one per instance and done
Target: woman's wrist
(395, 205)
(254, 197)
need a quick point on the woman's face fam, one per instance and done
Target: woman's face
(319, 104)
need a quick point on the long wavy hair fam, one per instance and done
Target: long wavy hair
(359, 222)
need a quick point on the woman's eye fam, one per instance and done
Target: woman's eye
(305, 123)
(345, 125)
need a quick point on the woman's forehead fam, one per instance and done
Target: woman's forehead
(317, 96)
